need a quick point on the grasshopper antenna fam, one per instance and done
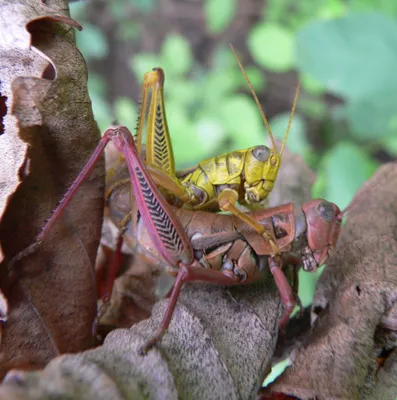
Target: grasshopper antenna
(290, 119)
(255, 98)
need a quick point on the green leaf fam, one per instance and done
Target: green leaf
(313, 107)
(211, 133)
(319, 188)
(144, 5)
(222, 58)
(375, 117)
(272, 45)
(101, 110)
(117, 10)
(96, 84)
(188, 147)
(92, 42)
(125, 112)
(386, 6)
(353, 56)
(127, 31)
(182, 91)
(277, 370)
(176, 54)
(78, 10)
(242, 121)
(219, 14)
(310, 84)
(307, 285)
(332, 9)
(390, 143)
(215, 87)
(276, 10)
(346, 168)
(255, 76)
(297, 141)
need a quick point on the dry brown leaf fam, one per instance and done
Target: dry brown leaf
(355, 295)
(16, 60)
(50, 131)
(219, 346)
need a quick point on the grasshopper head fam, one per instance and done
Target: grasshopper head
(260, 170)
(324, 222)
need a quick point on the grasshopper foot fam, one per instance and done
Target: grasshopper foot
(143, 350)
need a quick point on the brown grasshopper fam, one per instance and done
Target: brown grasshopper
(198, 246)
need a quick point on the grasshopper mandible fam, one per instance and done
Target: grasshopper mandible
(217, 184)
(232, 254)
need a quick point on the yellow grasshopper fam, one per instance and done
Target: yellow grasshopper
(219, 183)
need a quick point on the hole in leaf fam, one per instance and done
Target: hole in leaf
(317, 310)
(358, 290)
(49, 72)
(3, 112)
(382, 356)
(24, 169)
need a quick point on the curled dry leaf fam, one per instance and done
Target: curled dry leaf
(349, 354)
(49, 133)
(17, 60)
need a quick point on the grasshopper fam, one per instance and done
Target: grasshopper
(198, 246)
(217, 184)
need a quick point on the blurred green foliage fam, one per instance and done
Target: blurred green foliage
(219, 14)
(339, 48)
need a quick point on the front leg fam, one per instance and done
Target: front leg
(227, 199)
(283, 286)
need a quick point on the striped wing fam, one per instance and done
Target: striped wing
(163, 227)
(158, 143)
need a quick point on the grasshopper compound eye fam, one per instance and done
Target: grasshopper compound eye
(326, 210)
(261, 153)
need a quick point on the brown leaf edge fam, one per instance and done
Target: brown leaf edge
(55, 118)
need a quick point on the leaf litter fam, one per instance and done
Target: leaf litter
(49, 132)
